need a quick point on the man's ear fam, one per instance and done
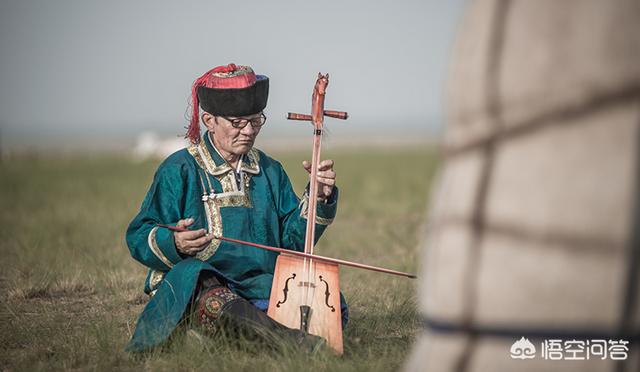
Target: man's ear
(208, 120)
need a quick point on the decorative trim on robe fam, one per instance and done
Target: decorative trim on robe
(323, 221)
(155, 277)
(230, 195)
(204, 159)
(214, 223)
(304, 210)
(155, 248)
(250, 165)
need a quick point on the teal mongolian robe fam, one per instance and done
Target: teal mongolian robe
(255, 202)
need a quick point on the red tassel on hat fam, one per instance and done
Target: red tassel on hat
(193, 132)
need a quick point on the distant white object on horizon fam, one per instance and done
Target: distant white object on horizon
(150, 145)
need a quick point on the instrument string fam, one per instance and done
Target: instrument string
(309, 273)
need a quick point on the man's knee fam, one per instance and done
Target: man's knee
(210, 302)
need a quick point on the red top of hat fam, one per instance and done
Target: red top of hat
(229, 76)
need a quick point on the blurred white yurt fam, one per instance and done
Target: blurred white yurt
(150, 145)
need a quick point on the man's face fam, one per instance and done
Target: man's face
(232, 140)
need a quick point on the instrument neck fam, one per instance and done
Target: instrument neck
(313, 193)
(317, 115)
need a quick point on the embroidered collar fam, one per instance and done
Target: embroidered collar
(250, 162)
(215, 164)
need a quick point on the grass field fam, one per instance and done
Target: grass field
(70, 293)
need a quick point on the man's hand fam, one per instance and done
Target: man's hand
(193, 241)
(326, 177)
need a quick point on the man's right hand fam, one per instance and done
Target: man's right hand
(192, 241)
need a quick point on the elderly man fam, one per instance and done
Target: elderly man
(221, 185)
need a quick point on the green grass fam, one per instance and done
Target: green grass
(70, 293)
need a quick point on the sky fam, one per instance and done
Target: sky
(108, 70)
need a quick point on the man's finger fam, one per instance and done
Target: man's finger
(195, 243)
(193, 251)
(327, 181)
(325, 164)
(184, 223)
(197, 249)
(322, 166)
(190, 235)
(327, 174)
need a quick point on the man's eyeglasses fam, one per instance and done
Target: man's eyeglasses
(241, 123)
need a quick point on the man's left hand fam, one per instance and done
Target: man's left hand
(326, 177)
